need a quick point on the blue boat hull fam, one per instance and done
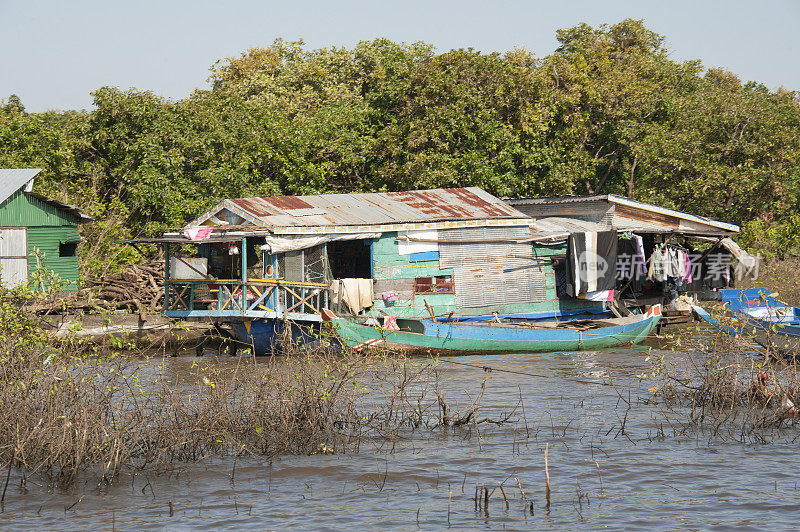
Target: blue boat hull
(270, 337)
(451, 338)
(777, 337)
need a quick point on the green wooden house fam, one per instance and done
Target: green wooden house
(36, 233)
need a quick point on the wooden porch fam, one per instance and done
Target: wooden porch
(253, 298)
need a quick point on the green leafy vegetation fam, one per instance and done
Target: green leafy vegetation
(608, 112)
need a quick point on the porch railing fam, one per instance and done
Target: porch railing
(255, 298)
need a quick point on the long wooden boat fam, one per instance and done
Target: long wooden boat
(448, 338)
(756, 315)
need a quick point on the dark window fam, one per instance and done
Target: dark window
(67, 249)
(350, 258)
(442, 284)
(560, 272)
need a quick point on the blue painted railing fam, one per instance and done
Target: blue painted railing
(254, 298)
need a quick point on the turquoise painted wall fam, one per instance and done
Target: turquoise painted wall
(389, 264)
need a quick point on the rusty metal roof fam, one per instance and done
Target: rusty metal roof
(650, 218)
(366, 209)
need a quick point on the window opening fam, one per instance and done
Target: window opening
(442, 284)
(350, 259)
(67, 249)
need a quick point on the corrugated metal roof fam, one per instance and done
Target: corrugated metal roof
(554, 228)
(75, 211)
(671, 212)
(13, 179)
(368, 208)
(543, 200)
(643, 225)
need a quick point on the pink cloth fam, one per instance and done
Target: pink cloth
(390, 296)
(688, 265)
(390, 323)
(198, 233)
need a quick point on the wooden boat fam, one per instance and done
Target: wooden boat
(756, 315)
(448, 338)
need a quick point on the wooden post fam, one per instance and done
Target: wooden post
(547, 475)
(243, 255)
(276, 294)
(166, 276)
(430, 309)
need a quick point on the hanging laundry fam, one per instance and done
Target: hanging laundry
(591, 261)
(688, 268)
(356, 293)
(669, 261)
(198, 233)
(656, 271)
(627, 256)
(641, 259)
(600, 295)
(681, 269)
(673, 268)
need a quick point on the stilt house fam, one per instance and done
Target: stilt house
(409, 254)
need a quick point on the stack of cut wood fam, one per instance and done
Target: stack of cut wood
(139, 287)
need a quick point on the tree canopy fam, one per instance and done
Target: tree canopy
(608, 112)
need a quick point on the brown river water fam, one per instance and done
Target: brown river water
(600, 477)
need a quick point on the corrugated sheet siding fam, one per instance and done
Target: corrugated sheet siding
(13, 257)
(47, 240)
(20, 210)
(399, 272)
(599, 211)
(492, 273)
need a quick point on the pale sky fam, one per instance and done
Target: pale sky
(54, 53)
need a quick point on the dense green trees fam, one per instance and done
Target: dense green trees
(608, 111)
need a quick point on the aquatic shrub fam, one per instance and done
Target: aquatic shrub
(726, 387)
(63, 416)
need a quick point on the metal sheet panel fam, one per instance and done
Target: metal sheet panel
(494, 283)
(491, 273)
(374, 208)
(470, 244)
(13, 257)
(13, 242)
(13, 179)
(588, 207)
(557, 227)
(593, 211)
(48, 241)
(13, 272)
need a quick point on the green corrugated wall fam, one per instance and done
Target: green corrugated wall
(47, 240)
(47, 228)
(21, 210)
